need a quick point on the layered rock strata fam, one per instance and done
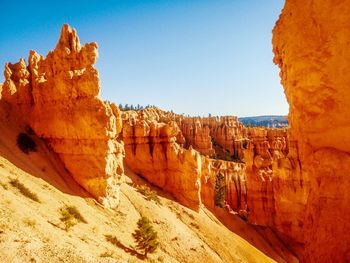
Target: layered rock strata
(152, 152)
(218, 137)
(58, 96)
(265, 186)
(197, 135)
(311, 46)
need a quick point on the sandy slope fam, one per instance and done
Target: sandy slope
(32, 231)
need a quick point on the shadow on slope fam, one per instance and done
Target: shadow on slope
(42, 163)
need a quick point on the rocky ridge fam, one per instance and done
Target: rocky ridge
(58, 97)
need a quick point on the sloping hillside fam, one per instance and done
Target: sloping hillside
(36, 231)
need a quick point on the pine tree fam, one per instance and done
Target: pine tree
(146, 236)
(220, 190)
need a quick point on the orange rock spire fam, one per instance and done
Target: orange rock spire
(58, 96)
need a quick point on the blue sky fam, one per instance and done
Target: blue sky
(192, 56)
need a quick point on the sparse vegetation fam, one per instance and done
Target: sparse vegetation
(149, 194)
(114, 240)
(26, 143)
(178, 215)
(24, 190)
(188, 214)
(3, 185)
(220, 190)
(127, 107)
(29, 222)
(107, 254)
(195, 225)
(70, 216)
(265, 121)
(145, 236)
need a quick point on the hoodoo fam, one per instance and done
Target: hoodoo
(311, 45)
(293, 183)
(58, 97)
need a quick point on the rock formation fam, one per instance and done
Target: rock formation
(218, 137)
(152, 152)
(252, 186)
(311, 46)
(197, 135)
(58, 97)
(293, 181)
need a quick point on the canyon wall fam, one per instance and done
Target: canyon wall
(152, 152)
(218, 137)
(311, 45)
(295, 181)
(261, 185)
(58, 97)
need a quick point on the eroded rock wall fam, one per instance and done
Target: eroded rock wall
(217, 137)
(254, 187)
(311, 45)
(197, 135)
(58, 97)
(152, 152)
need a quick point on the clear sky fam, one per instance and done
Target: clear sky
(190, 56)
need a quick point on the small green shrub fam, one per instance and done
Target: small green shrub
(24, 190)
(149, 194)
(70, 216)
(145, 236)
(26, 143)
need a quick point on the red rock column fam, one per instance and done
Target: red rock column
(311, 45)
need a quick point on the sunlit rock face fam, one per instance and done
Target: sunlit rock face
(217, 137)
(311, 45)
(277, 192)
(58, 96)
(197, 134)
(261, 187)
(152, 152)
(16, 89)
(259, 169)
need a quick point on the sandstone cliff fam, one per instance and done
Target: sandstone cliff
(252, 183)
(58, 97)
(152, 152)
(311, 46)
(293, 181)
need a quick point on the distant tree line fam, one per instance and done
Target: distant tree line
(136, 107)
(265, 121)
